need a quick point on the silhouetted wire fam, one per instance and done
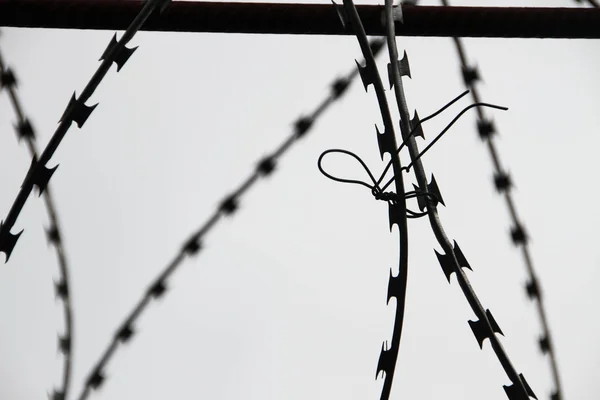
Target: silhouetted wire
(76, 111)
(375, 188)
(397, 211)
(504, 184)
(453, 260)
(24, 130)
(227, 207)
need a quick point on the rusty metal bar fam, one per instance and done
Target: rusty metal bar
(304, 19)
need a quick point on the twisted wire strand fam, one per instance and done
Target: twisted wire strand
(379, 191)
(504, 184)
(227, 207)
(453, 260)
(76, 111)
(25, 131)
(397, 205)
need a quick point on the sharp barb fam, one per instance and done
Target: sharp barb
(503, 184)
(365, 75)
(117, 53)
(417, 128)
(7, 241)
(24, 130)
(470, 75)
(7, 79)
(386, 142)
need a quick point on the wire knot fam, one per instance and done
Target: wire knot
(384, 196)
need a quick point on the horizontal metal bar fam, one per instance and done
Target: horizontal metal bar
(304, 19)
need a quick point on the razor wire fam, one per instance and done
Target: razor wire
(504, 183)
(227, 207)
(398, 211)
(76, 111)
(25, 131)
(453, 259)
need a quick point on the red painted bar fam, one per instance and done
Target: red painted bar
(304, 19)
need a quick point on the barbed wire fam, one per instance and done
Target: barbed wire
(397, 285)
(453, 259)
(25, 131)
(504, 184)
(227, 207)
(397, 211)
(76, 111)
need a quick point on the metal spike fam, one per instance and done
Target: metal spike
(7, 241)
(415, 124)
(544, 345)
(390, 72)
(385, 361)
(555, 396)
(420, 199)
(485, 128)
(365, 75)
(514, 393)
(64, 344)
(460, 257)
(52, 235)
(157, 289)
(493, 323)
(40, 175)
(434, 189)
(385, 142)
(502, 182)
(121, 56)
(446, 264)
(193, 246)
(7, 79)
(479, 330)
(532, 289)
(339, 87)
(61, 290)
(24, 130)
(125, 333)
(518, 235)
(95, 380)
(403, 66)
(393, 287)
(470, 75)
(341, 13)
(229, 205)
(77, 111)
(302, 125)
(266, 166)
(395, 214)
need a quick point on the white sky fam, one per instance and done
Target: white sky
(287, 300)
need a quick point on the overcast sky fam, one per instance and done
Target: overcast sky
(288, 298)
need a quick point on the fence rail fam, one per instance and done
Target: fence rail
(305, 19)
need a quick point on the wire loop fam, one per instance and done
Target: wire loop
(378, 191)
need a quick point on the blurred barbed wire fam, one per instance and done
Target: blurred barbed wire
(25, 131)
